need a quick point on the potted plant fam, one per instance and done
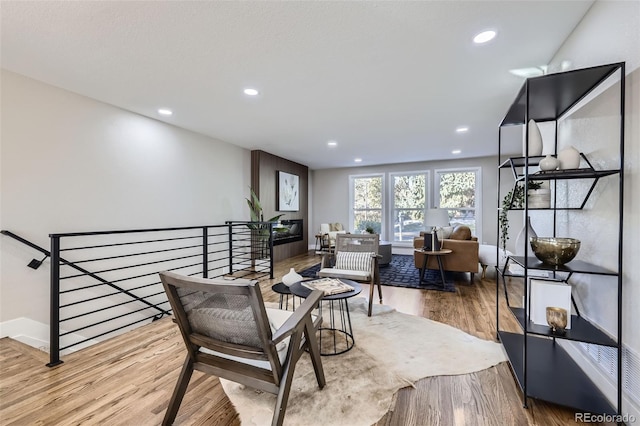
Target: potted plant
(260, 231)
(369, 230)
(513, 200)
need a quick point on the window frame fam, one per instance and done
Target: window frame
(392, 208)
(478, 192)
(383, 208)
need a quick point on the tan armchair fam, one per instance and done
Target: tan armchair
(463, 259)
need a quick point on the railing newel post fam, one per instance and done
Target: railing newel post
(54, 298)
(205, 252)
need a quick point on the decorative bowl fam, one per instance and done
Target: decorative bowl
(557, 319)
(555, 251)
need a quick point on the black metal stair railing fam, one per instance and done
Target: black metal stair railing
(107, 282)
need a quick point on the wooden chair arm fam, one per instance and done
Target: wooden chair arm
(296, 319)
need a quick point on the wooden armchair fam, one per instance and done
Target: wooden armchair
(229, 333)
(356, 258)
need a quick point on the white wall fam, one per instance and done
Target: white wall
(609, 32)
(70, 163)
(330, 189)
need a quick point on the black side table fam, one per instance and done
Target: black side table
(338, 335)
(284, 293)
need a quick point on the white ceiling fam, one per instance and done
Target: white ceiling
(389, 81)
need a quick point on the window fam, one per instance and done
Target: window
(366, 203)
(458, 192)
(409, 195)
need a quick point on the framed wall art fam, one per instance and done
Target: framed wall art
(288, 192)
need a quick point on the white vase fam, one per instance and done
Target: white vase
(549, 163)
(291, 278)
(535, 140)
(520, 242)
(569, 158)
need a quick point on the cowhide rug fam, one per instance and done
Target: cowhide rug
(393, 350)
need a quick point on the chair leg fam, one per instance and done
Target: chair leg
(472, 275)
(371, 286)
(484, 271)
(314, 352)
(379, 288)
(285, 385)
(178, 392)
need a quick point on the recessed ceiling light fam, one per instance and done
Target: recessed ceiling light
(332, 144)
(358, 160)
(529, 72)
(251, 92)
(164, 111)
(462, 129)
(456, 151)
(484, 37)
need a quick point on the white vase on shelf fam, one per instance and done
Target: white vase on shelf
(549, 163)
(569, 158)
(520, 242)
(535, 140)
(291, 278)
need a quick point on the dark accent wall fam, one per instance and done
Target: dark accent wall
(264, 181)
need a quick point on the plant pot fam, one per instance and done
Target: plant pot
(539, 198)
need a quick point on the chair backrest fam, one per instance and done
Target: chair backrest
(356, 251)
(224, 316)
(357, 243)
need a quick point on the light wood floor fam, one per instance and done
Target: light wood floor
(128, 380)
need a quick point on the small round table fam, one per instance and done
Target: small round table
(338, 335)
(284, 291)
(438, 254)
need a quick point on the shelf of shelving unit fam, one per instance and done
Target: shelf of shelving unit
(581, 330)
(552, 375)
(575, 266)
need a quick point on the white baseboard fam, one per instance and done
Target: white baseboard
(36, 335)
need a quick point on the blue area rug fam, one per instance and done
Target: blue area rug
(401, 272)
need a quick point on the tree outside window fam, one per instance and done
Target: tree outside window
(457, 193)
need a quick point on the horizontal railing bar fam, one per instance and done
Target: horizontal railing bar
(135, 254)
(131, 243)
(134, 266)
(103, 321)
(107, 332)
(91, 299)
(151, 273)
(112, 306)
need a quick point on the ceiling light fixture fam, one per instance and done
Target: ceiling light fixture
(484, 37)
(529, 72)
(164, 111)
(462, 129)
(332, 144)
(251, 92)
(358, 160)
(456, 151)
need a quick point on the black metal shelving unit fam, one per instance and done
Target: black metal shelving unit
(542, 368)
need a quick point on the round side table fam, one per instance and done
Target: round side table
(338, 334)
(284, 293)
(438, 254)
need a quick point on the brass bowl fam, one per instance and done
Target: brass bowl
(557, 319)
(555, 251)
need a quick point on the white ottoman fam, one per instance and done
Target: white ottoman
(487, 257)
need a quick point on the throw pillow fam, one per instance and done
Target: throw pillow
(461, 232)
(354, 261)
